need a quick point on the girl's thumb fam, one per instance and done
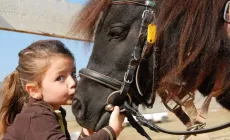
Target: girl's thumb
(116, 110)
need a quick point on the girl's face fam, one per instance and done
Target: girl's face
(59, 83)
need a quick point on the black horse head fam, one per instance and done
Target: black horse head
(116, 36)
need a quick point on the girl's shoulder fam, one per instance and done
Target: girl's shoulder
(36, 112)
(34, 107)
(32, 118)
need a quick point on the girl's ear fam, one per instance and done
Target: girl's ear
(228, 30)
(33, 91)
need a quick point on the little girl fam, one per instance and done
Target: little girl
(44, 79)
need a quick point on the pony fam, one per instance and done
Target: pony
(192, 54)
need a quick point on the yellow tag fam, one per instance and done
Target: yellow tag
(152, 30)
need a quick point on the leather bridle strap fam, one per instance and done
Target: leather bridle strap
(100, 78)
(145, 3)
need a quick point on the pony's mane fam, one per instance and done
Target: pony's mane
(189, 34)
(85, 23)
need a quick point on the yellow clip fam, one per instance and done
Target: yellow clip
(152, 30)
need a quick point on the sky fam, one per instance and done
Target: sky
(12, 42)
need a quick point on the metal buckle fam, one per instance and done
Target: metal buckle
(196, 127)
(174, 103)
(150, 3)
(109, 106)
(147, 15)
(192, 128)
(171, 104)
(187, 97)
(127, 81)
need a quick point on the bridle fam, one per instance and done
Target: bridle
(143, 49)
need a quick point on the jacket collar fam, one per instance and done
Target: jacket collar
(32, 102)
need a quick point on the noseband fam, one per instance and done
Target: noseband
(106, 81)
(123, 87)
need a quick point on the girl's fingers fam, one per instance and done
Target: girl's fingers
(116, 110)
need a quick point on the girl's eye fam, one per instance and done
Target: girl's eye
(60, 78)
(73, 74)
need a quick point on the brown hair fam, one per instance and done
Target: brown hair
(33, 63)
(189, 35)
(86, 22)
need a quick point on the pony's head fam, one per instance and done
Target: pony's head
(116, 36)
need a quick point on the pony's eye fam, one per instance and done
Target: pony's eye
(117, 32)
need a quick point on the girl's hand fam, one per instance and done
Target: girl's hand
(87, 132)
(116, 120)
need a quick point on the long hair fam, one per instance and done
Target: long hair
(189, 35)
(33, 63)
(85, 23)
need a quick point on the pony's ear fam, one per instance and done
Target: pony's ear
(33, 90)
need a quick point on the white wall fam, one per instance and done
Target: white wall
(43, 17)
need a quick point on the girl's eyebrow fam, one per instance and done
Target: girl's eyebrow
(63, 70)
(63, 67)
(60, 70)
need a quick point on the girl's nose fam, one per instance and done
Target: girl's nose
(72, 82)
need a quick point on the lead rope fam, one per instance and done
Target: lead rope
(136, 125)
(152, 126)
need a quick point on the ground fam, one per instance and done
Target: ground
(215, 117)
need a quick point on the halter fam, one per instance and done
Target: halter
(122, 88)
